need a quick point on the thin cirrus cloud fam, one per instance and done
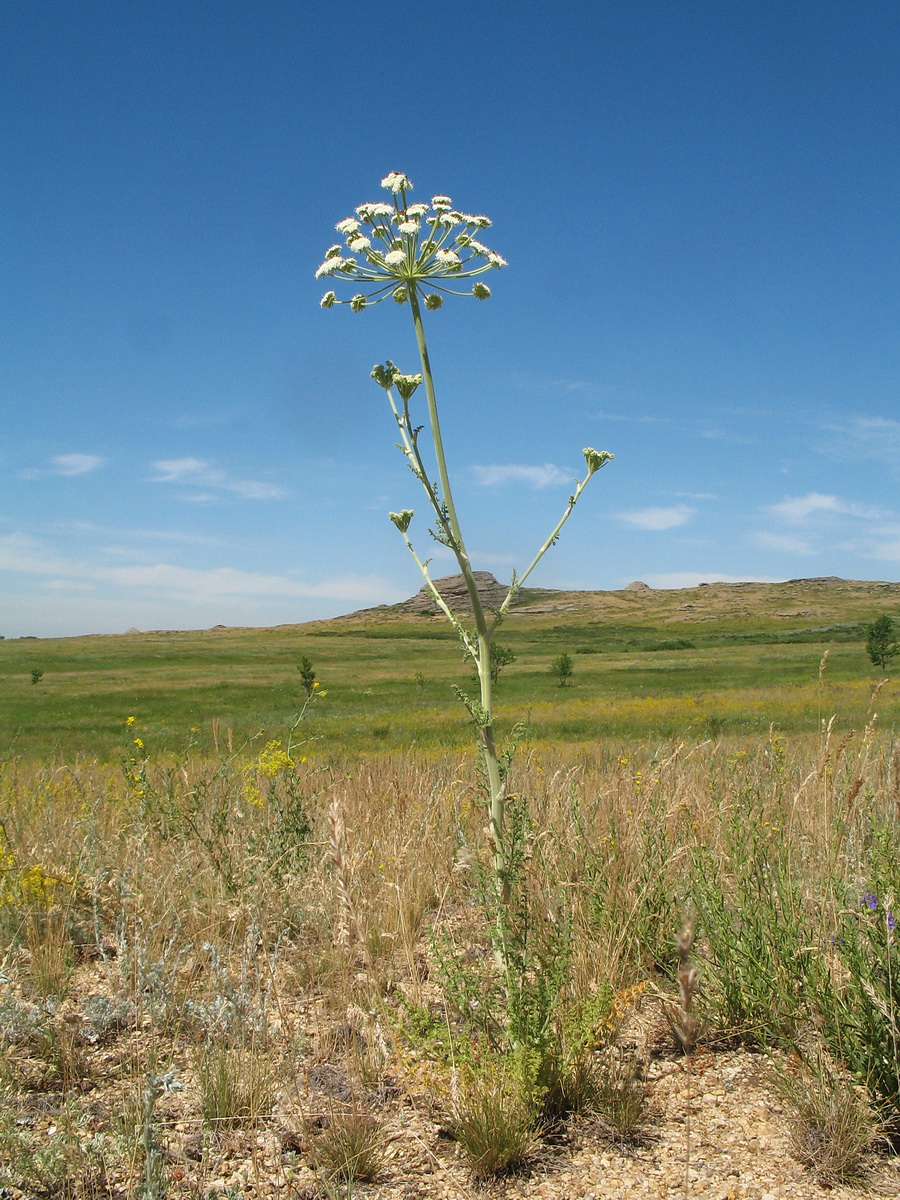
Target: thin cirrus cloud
(537, 476)
(875, 438)
(201, 474)
(68, 465)
(797, 509)
(783, 543)
(658, 519)
(25, 555)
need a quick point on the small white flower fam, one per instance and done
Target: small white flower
(434, 301)
(396, 182)
(416, 210)
(447, 257)
(394, 257)
(481, 222)
(479, 249)
(357, 302)
(358, 243)
(408, 226)
(438, 202)
(496, 261)
(447, 218)
(327, 300)
(333, 251)
(349, 225)
(367, 212)
(329, 266)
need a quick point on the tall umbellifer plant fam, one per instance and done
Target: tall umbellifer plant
(415, 254)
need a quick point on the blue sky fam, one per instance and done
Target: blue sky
(698, 203)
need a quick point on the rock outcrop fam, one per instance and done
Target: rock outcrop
(456, 595)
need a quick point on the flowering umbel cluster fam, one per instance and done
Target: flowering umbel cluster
(393, 248)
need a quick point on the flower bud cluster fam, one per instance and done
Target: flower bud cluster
(595, 459)
(400, 247)
(389, 376)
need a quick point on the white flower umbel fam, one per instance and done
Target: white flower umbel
(401, 244)
(412, 253)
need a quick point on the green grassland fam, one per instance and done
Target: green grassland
(723, 659)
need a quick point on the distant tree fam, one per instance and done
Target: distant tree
(880, 644)
(307, 675)
(501, 656)
(36, 675)
(561, 669)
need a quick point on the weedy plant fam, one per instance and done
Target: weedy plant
(415, 254)
(859, 1001)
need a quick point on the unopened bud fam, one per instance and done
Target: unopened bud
(406, 384)
(384, 375)
(433, 301)
(402, 519)
(595, 459)
(327, 300)
(481, 291)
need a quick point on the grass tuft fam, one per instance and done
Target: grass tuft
(832, 1124)
(493, 1121)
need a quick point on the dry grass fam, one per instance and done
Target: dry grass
(172, 927)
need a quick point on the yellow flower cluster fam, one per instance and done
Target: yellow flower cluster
(273, 760)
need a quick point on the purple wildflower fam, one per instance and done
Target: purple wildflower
(890, 921)
(870, 900)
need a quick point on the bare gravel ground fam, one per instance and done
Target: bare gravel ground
(714, 1128)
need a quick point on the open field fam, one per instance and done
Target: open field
(720, 659)
(238, 965)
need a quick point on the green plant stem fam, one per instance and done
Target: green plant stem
(496, 785)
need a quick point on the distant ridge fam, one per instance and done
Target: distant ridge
(816, 597)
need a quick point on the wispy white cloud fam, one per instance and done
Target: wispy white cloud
(201, 473)
(536, 477)
(888, 551)
(658, 519)
(90, 529)
(797, 509)
(66, 465)
(25, 555)
(783, 542)
(875, 438)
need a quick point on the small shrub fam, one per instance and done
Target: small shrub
(880, 644)
(36, 675)
(561, 669)
(307, 676)
(859, 1003)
